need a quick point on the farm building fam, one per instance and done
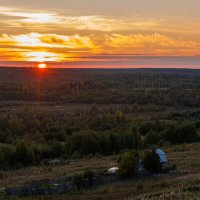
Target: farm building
(162, 155)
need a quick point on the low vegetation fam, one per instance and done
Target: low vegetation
(27, 141)
(152, 162)
(129, 165)
(64, 120)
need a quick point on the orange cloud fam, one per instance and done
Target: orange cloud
(72, 42)
(54, 47)
(151, 44)
(51, 40)
(45, 47)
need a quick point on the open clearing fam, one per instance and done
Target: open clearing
(185, 184)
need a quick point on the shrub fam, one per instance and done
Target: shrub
(185, 132)
(152, 162)
(1, 175)
(24, 154)
(89, 175)
(18, 165)
(76, 155)
(78, 181)
(151, 138)
(128, 165)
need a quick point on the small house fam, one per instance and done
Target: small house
(162, 155)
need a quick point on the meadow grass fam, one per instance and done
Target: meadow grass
(185, 184)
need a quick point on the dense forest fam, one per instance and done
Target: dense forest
(118, 110)
(147, 86)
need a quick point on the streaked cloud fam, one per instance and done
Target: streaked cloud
(40, 56)
(29, 16)
(157, 44)
(16, 18)
(53, 47)
(63, 35)
(46, 47)
(49, 40)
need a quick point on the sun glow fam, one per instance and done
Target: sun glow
(51, 35)
(41, 56)
(42, 65)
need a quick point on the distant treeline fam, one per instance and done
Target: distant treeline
(141, 87)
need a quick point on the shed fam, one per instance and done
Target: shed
(113, 170)
(162, 155)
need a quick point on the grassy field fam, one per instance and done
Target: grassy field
(185, 184)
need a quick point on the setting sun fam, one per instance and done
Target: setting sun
(42, 65)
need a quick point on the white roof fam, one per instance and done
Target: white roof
(113, 170)
(162, 155)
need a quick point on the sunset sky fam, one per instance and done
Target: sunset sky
(100, 33)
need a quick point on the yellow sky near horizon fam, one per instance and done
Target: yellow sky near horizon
(60, 31)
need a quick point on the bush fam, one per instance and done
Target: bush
(77, 181)
(76, 155)
(18, 166)
(1, 175)
(24, 154)
(57, 148)
(152, 162)
(151, 138)
(129, 165)
(89, 175)
(6, 156)
(185, 132)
